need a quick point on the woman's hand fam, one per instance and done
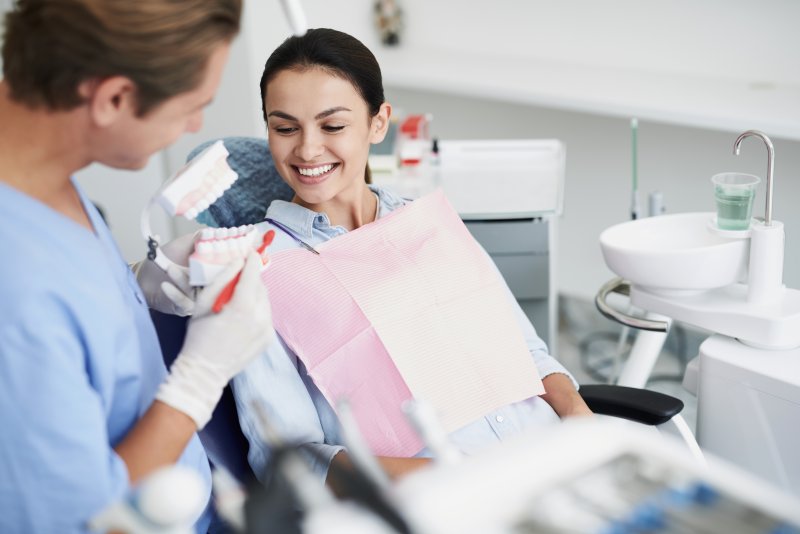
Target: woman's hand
(562, 396)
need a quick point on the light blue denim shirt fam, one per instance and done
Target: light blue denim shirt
(299, 413)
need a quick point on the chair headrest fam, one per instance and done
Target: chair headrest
(259, 184)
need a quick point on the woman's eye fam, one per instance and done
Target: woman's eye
(284, 130)
(332, 129)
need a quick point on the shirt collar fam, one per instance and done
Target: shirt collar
(303, 220)
(294, 216)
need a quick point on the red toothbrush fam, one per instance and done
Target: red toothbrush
(227, 292)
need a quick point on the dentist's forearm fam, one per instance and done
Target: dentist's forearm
(157, 440)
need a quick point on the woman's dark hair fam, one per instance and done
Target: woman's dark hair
(339, 53)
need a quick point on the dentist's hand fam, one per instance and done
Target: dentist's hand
(169, 292)
(219, 345)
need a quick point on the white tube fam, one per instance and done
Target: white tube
(295, 16)
(765, 279)
(643, 356)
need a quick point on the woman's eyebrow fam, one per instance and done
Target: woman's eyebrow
(282, 115)
(331, 111)
(318, 116)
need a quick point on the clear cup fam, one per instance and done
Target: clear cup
(734, 193)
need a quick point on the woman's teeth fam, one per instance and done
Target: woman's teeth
(314, 171)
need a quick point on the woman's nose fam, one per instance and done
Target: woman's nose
(310, 147)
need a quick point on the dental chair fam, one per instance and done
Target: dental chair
(246, 202)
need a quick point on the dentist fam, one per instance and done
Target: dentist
(86, 403)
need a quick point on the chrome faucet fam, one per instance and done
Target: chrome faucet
(770, 166)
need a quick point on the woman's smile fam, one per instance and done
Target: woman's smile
(312, 175)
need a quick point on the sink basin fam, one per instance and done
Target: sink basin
(675, 252)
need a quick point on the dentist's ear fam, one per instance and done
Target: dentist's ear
(109, 98)
(380, 123)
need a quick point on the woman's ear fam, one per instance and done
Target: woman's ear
(380, 123)
(109, 99)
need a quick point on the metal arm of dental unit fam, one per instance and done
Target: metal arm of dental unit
(623, 287)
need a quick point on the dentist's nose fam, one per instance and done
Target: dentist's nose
(310, 147)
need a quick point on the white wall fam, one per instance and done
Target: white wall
(756, 41)
(721, 38)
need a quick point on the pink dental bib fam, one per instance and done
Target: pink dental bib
(408, 306)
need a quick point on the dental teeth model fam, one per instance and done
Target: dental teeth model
(216, 248)
(199, 183)
(188, 193)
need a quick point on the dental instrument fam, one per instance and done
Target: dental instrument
(295, 501)
(423, 418)
(168, 501)
(229, 498)
(291, 234)
(357, 447)
(619, 478)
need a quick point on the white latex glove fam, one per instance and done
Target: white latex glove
(219, 345)
(169, 292)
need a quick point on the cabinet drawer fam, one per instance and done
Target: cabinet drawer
(526, 274)
(511, 237)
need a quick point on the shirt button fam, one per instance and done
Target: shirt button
(499, 418)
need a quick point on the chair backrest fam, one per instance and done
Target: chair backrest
(259, 184)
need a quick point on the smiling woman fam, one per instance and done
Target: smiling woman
(324, 106)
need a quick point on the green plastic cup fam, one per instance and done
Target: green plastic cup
(734, 193)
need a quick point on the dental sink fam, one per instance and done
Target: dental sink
(675, 253)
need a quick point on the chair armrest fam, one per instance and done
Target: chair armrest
(640, 405)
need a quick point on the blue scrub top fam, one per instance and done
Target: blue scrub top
(79, 364)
